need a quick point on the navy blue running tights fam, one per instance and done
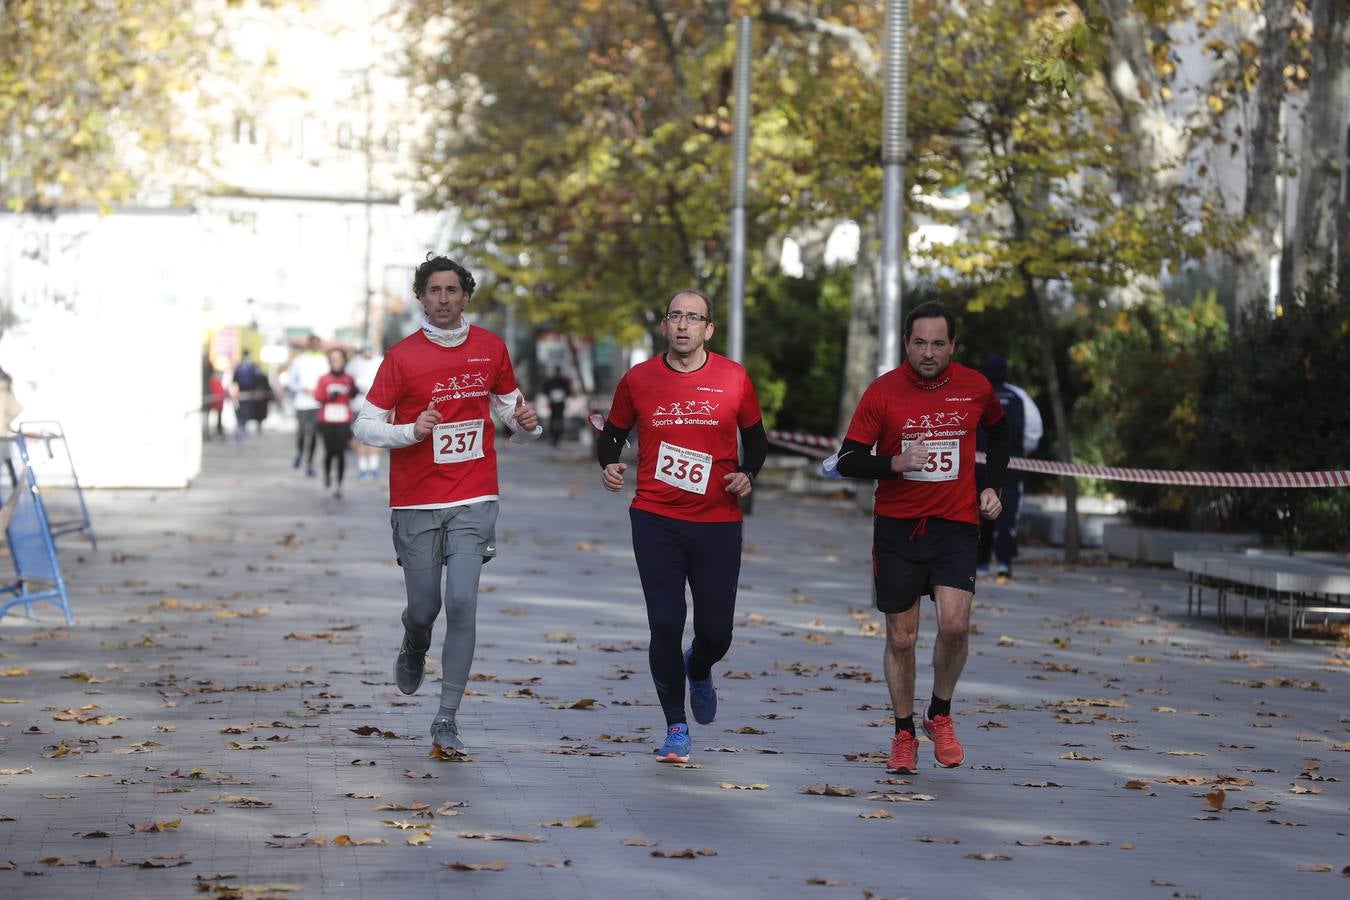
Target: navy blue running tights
(669, 553)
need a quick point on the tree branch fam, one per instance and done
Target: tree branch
(849, 36)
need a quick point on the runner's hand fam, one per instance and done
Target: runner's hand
(526, 417)
(913, 459)
(612, 476)
(738, 484)
(428, 420)
(990, 506)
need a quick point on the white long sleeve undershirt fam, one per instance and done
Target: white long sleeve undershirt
(374, 428)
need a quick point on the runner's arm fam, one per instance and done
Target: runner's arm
(609, 443)
(754, 447)
(996, 457)
(504, 405)
(373, 428)
(856, 460)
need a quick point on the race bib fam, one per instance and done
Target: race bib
(944, 461)
(457, 442)
(685, 469)
(333, 412)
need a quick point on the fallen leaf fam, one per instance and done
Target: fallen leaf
(683, 854)
(1320, 867)
(447, 754)
(825, 882)
(420, 838)
(1077, 756)
(937, 839)
(988, 856)
(745, 729)
(496, 865)
(409, 773)
(368, 730)
(496, 836)
(1053, 841)
(1039, 784)
(875, 814)
(160, 826)
(729, 786)
(1216, 798)
(828, 790)
(638, 842)
(582, 821)
(346, 840)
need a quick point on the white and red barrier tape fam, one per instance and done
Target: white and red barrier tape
(808, 444)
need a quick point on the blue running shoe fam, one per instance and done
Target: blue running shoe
(676, 747)
(702, 694)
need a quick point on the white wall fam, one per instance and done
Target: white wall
(105, 337)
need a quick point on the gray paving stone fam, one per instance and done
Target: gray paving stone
(253, 598)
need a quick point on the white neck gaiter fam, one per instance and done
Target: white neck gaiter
(451, 337)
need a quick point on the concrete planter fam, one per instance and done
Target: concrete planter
(1156, 545)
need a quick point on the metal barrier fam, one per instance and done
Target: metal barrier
(28, 533)
(57, 472)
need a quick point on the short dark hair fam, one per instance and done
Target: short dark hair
(930, 310)
(436, 264)
(707, 304)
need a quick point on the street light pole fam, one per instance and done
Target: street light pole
(893, 183)
(740, 155)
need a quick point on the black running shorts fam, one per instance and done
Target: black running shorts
(912, 556)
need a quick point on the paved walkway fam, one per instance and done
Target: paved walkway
(202, 720)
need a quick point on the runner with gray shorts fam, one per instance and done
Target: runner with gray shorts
(431, 405)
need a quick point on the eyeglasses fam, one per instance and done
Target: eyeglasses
(692, 318)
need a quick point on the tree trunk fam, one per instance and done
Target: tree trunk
(1314, 244)
(1264, 225)
(1045, 343)
(860, 351)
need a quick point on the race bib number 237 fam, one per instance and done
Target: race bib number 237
(457, 442)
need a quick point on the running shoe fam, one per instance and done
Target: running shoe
(445, 734)
(947, 749)
(702, 694)
(409, 667)
(904, 754)
(676, 747)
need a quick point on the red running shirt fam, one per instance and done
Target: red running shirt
(457, 463)
(335, 393)
(899, 407)
(687, 423)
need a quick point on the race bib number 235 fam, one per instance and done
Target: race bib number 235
(943, 464)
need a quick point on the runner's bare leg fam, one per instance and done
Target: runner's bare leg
(902, 630)
(953, 638)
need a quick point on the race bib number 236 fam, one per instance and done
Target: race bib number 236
(683, 468)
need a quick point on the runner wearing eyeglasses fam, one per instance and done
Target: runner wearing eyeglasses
(689, 406)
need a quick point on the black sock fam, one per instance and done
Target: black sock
(905, 724)
(939, 707)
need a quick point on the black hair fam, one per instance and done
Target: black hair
(435, 264)
(930, 310)
(707, 304)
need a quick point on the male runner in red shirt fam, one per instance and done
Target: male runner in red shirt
(922, 419)
(688, 406)
(441, 383)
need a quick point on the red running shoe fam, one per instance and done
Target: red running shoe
(904, 755)
(947, 749)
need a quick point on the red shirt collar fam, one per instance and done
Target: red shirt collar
(923, 384)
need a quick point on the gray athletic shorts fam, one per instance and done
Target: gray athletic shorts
(423, 538)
